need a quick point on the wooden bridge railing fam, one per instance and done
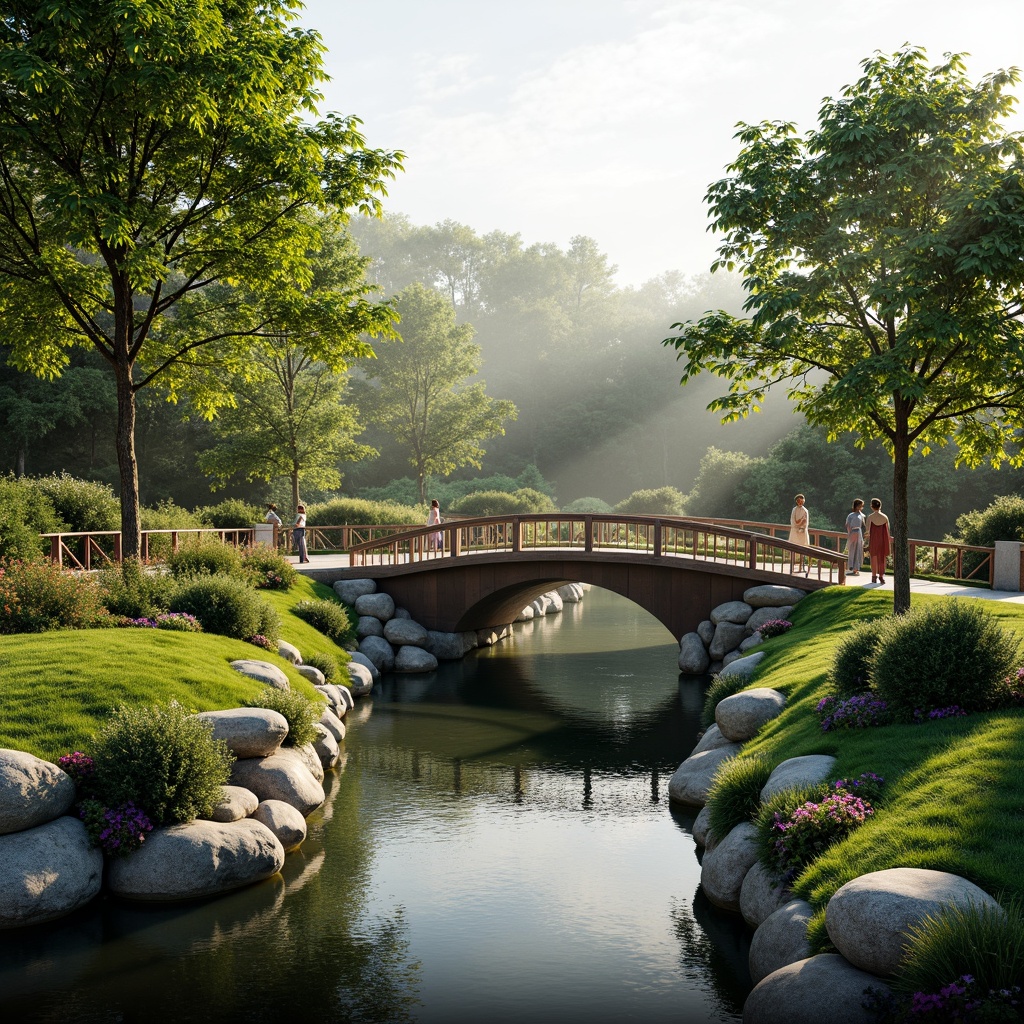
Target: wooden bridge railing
(927, 557)
(85, 550)
(656, 537)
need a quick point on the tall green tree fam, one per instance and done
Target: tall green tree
(419, 393)
(881, 254)
(152, 153)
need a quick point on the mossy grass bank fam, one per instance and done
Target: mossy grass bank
(954, 793)
(58, 688)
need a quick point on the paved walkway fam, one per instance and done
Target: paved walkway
(340, 561)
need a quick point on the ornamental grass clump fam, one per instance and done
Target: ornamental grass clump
(720, 688)
(329, 617)
(327, 664)
(949, 653)
(302, 714)
(132, 590)
(794, 830)
(162, 759)
(38, 596)
(735, 794)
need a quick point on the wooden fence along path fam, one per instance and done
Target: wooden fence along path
(757, 545)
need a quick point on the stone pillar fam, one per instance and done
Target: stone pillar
(1009, 566)
(264, 534)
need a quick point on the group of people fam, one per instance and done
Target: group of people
(298, 528)
(863, 532)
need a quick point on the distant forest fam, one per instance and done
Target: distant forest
(601, 412)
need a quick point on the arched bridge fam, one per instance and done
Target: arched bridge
(480, 573)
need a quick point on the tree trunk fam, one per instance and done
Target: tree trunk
(127, 464)
(295, 489)
(19, 470)
(898, 523)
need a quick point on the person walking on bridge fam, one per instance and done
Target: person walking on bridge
(434, 519)
(878, 541)
(799, 520)
(855, 539)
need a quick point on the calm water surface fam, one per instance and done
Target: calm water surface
(499, 847)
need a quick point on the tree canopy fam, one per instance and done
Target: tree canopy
(880, 253)
(151, 156)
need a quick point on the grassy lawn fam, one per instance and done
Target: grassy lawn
(954, 794)
(57, 688)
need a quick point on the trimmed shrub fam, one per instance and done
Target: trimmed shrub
(720, 688)
(658, 501)
(82, 505)
(735, 794)
(24, 514)
(949, 653)
(269, 569)
(37, 596)
(325, 662)
(165, 515)
(131, 590)
(205, 557)
(226, 605)
(231, 514)
(329, 617)
(503, 503)
(587, 506)
(1002, 520)
(360, 512)
(302, 713)
(850, 674)
(163, 760)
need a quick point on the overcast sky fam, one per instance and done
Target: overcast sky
(609, 118)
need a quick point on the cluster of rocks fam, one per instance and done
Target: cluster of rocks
(390, 640)
(869, 920)
(732, 628)
(48, 867)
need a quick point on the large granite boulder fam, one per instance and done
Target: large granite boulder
(754, 640)
(570, 593)
(711, 740)
(333, 724)
(769, 595)
(32, 791)
(280, 778)
(289, 652)
(306, 755)
(701, 829)
(379, 605)
(402, 632)
(369, 625)
(693, 655)
(743, 667)
(349, 590)
(360, 679)
(379, 652)
(197, 859)
(262, 672)
(526, 615)
(732, 611)
(798, 773)
(821, 988)
(541, 605)
(762, 615)
(869, 918)
(248, 732)
(706, 631)
(46, 872)
(692, 779)
(312, 673)
(414, 659)
(742, 715)
(728, 636)
(326, 744)
(726, 865)
(284, 821)
(556, 605)
(362, 659)
(235, 803)
(448, 646)
(780, 939)
(761, 895)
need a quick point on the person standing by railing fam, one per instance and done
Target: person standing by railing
(299, 533)
(855, 539)
(879, 540)
(434, 519)
(799, 521)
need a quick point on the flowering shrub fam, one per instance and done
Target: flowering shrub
(953, 711)
(790, 841)
(1010, 693)
(269, 569)
(960, 1000)
(259, 640)
(774, 627)
(858, 712)
(36, 596)
(78, 765)
(118, 831)
(180, 622)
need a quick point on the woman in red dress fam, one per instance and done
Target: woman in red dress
(878, 541)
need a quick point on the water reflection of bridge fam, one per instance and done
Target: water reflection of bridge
(479, 573)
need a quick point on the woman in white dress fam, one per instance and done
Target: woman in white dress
(799, 520)
(434, 519)
(855, 539)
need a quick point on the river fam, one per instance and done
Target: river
(499, 847)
